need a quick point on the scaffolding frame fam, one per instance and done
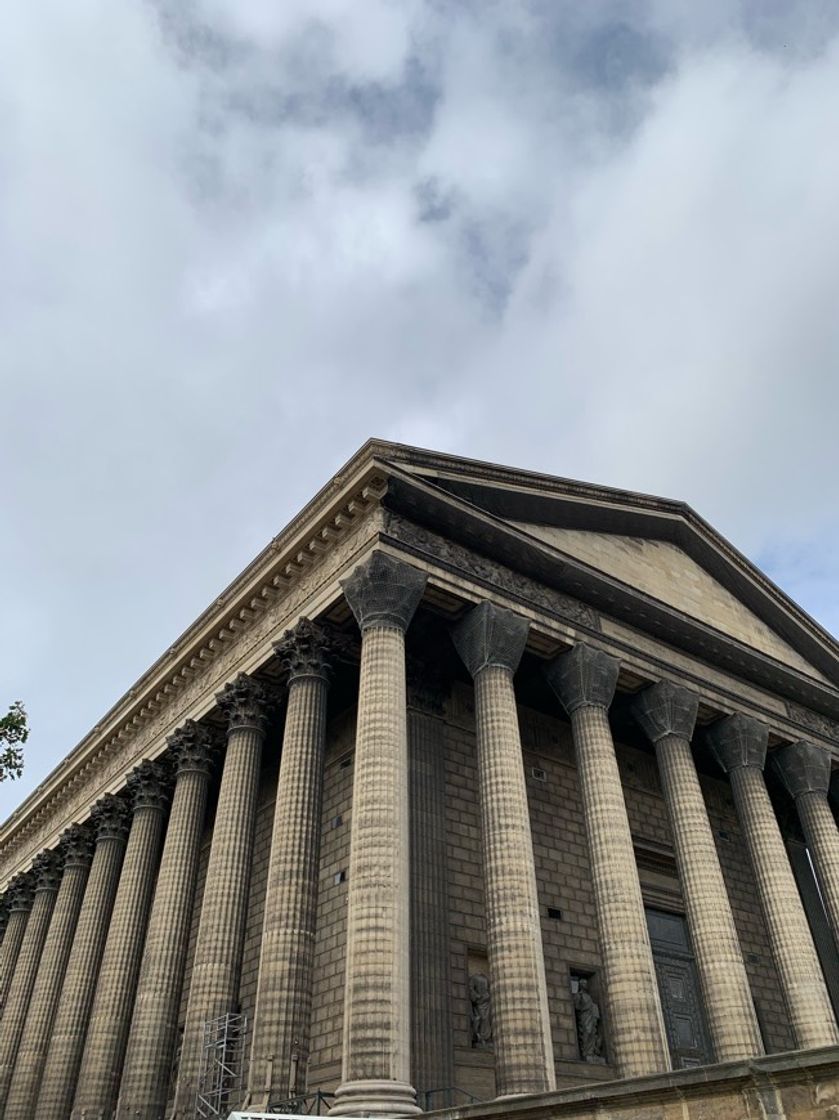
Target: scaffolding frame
(220, 1075)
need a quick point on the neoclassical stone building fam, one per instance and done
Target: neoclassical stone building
(475, 784)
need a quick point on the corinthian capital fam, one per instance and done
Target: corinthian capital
(110, 817)
(383, 591)
(803, 768)
(47, 871)
(737, 741)
(583, 677)
(666, 709)
(306, 651)
(490, 635)
(191, 747)
(76, 846)
(18, 894)
(243, 701)
(148, 785)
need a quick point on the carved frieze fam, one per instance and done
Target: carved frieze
(815, 721)
(446, 553)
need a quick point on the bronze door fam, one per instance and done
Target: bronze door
(678, 985)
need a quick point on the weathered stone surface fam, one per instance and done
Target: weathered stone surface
(217, 963)
(384, 591)
(737, 741)
(666, 709)
(490, 635)
(667, 714)
(280, 1047)
(803, 768)
(151, 1044)
(104, 1052)
(583, 677)
(584, 680)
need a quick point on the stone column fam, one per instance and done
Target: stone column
(383, 594)
(739, 745)
(432, 1042)
(217, 964)
(154, 1024)
(584, 679)
(58, 1085)
(110, 1018)
(47, 873)
(280, 1047)
(805, 771)
(18, 899)
(491, 641)
(76, 850)
(667, 714)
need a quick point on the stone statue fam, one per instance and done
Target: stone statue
(587, 1013)
(480, 1015)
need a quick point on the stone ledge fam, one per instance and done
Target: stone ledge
(797, 1085)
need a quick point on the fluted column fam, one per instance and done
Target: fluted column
(584, 679)
(154, 1024)
(75, 850)
(667, 714)
(491, 641)
(280, 1048)
(110, 1017)
(432, 1042)
(217, 964)
(383, 594)
(55, 1099)
(739, 745)
(805, 771)
(18, 899)
(47, 873)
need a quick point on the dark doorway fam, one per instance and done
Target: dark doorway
(678, 985)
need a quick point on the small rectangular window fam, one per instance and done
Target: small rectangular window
(339, 877)
(337, 821)
(555, 912)
(538, 774)
(346, 762)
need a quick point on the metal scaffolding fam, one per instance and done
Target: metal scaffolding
(220, 1075)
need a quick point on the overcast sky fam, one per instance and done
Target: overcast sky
(238, 237)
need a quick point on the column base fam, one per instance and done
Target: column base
(375, 1098)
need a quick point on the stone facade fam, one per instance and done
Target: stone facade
(430, 811)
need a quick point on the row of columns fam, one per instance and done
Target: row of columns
(91, 983)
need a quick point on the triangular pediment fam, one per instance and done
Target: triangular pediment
(667, 573)
(649, 561)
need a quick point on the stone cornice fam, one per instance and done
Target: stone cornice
(181, 684)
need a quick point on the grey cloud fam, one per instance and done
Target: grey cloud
(238, 239)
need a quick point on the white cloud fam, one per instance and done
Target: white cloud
(237, 239)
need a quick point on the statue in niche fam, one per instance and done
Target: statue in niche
(480, 1015)
(587, 1013)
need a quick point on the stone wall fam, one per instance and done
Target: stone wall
(570, 939)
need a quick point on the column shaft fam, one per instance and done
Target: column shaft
(217, 964)
(58, 1086)
(636, 1024)
(9, 951)
(521, 1023)
(37, 1030)
(110, 1018)
(376, 1048)
(722, 974)
(811, 1014)
(432, 1044)
(280, 1048)
(23, 981)
(822, 839)
(151, 1043)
